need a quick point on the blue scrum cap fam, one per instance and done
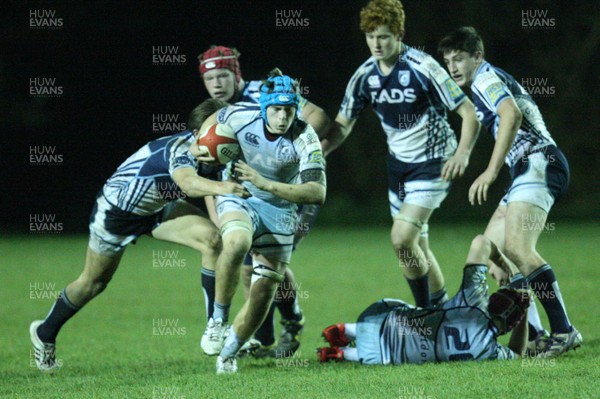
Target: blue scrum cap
(277, 90)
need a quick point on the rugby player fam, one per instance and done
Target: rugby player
(391, 332)
(283, 167)
(410, 93)
(221, 73)
(134, 201)
(539, 172)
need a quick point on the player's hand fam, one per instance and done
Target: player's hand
(230, 187)
(479, 188)
(501, 276)
(455, 166)
(244, 172)
(201, 154)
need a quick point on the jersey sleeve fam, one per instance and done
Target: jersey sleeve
(355, 97)
(445, 87)
(473, 290)
(180, 156)
(312, 162)
(236, 116)
(491, 90)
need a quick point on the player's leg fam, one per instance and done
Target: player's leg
(187, 225)
(437, 284)
(268, 273)
(541, 178)
(97, 272)
(106, 245)
(414, 192)
(521, 241)
(495, 231)
(413, 262)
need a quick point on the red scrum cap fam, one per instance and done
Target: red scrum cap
(217, 57)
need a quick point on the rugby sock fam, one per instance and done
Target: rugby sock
(535, 323)
(288, 306)
(420, 290)
(221, 312)
(438, 297)
(518, 281)
(233, 343)
(61, 312)
(350, 354)
(350, 331)
(544, 284)
(208, 287)
(266, 332)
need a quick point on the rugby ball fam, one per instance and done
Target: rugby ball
(220, 142)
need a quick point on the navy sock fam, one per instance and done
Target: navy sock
(208, 287)
(287, 302)
(543, 282)
(266, 332)
(420, 290)
(60, 313)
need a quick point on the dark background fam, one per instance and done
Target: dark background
(102, 57)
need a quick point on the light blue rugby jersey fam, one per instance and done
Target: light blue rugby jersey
(280, 158)
(490, 87)
(411, 103)
(143, 184)
(460, 330)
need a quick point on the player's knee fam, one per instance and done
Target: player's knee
(480, 243)
(237, 243)
(404, 241)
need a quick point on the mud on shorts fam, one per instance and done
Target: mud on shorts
(540, 177)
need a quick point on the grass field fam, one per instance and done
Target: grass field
(140, 338)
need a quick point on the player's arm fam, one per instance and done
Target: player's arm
(317, 118)
(197, 186)
(510, 121)
(518, 337)
(339, 130)
(311, 190)
(456, 165)
(483, 249)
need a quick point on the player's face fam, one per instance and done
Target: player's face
(280, 118)
(384, 45)
(462, 66)
(220, 83)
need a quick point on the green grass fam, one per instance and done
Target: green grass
(110, 350)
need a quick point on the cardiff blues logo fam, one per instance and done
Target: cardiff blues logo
(374, 82)
(404, 78)
(284, 99)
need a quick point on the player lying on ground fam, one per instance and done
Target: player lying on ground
(410, 93)
(134, 201)
(222, 77)
(285, 168)
(464, 328)
(539, 172)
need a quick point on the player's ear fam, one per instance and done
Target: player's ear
(195, 132)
